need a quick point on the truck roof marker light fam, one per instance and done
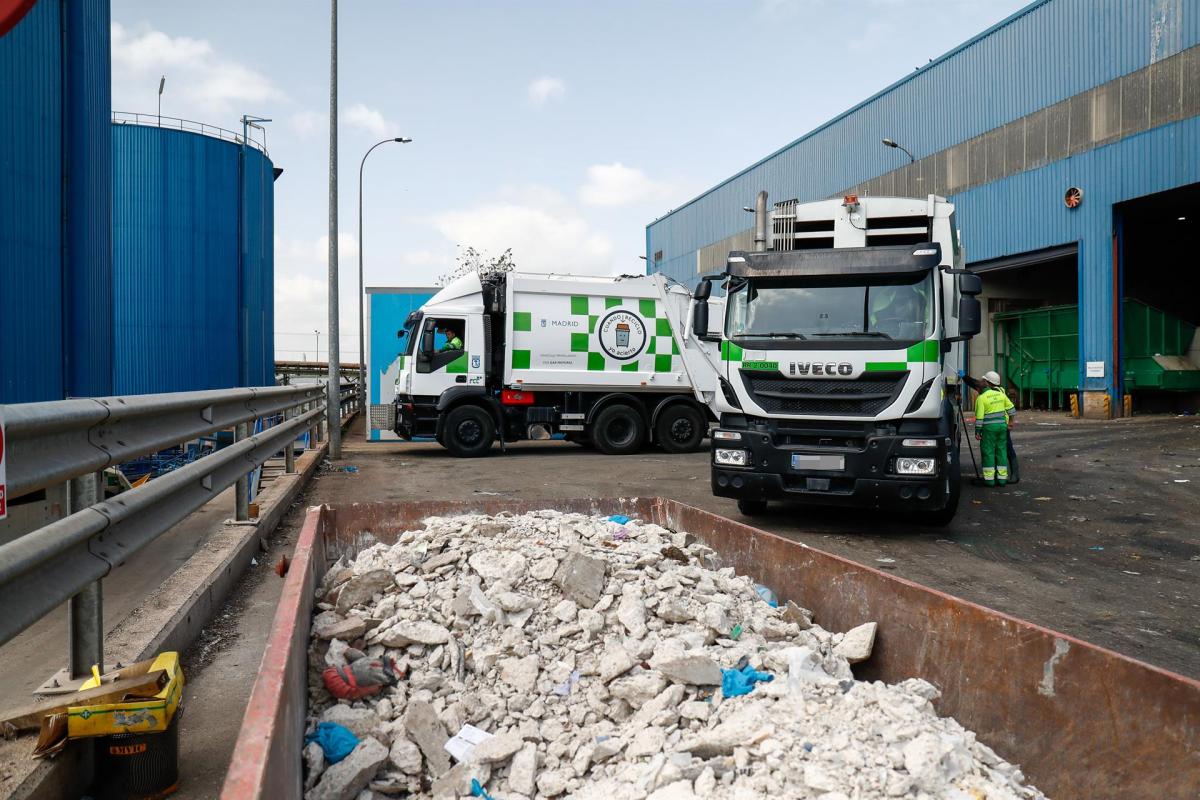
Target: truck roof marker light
(737, 260)
(926, 251)
(850, 200)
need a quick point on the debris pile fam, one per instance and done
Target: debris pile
(554, 654)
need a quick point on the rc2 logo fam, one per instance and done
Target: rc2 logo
(622, 335)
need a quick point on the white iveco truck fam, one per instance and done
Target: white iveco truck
(600, 360)
(843, 340)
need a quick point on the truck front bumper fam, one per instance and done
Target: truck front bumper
(868, 476)
(415, 417)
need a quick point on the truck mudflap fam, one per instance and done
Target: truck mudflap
(863, 478)
(1081, 721)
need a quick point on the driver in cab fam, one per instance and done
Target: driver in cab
(453, 341)
(898, 311)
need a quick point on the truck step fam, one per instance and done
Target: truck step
(570, 427)
(572, 416)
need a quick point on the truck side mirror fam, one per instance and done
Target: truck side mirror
(969, 284)
(700, 309)
(970, 316)
(427, 341)
(700, 319)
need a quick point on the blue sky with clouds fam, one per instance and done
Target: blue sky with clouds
(557, 128)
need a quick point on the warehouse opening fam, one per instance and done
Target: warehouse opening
(1160, 350)
(1031, 325)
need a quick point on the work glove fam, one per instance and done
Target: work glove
(978, 436)
(361, 678)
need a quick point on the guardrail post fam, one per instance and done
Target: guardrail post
(242, 504)
(85, 611)
(289, 451)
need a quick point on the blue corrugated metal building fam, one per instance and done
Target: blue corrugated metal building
(1098, 95)
(193, 259)
(55, 208)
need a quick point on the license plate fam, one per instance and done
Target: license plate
(821, 462)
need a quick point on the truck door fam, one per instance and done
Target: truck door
(443, 356)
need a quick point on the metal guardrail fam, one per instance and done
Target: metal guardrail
(71, 440)
(177, 124)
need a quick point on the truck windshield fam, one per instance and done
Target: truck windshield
(871, 308)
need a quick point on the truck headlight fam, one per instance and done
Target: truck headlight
(729, 436)
(730, 458)
(915, 466)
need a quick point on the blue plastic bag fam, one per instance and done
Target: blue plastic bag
(735, 682)
(620, 519)
(767, 595)
(336, 740)
(477, 790)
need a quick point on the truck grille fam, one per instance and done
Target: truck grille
(860, 397)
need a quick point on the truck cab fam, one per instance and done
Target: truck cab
(840, 356)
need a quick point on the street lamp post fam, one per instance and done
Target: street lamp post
(333, 389)
(896, 146)
(317, 352)
(362, 352)
(162, 82)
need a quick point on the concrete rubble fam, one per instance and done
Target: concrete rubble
(592, 652)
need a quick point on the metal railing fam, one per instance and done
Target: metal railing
(191, 126)
(73, 441)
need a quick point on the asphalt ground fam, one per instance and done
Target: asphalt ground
(1100, 540)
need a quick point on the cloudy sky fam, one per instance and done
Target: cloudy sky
(558, 128)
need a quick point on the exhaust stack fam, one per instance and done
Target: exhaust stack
(760, 222)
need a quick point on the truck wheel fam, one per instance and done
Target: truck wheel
(468, 432)
(680, 429)
(943, 516)
(752, 508)
(619, 430)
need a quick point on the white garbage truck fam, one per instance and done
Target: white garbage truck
(604, 361)
(842, 345)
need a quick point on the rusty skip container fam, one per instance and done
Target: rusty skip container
(1081, 721)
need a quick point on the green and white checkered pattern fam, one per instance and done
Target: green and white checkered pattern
(661, 353)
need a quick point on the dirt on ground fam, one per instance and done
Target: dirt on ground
(1099, 540)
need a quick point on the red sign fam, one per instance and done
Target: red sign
(11, 12)
(3, 480)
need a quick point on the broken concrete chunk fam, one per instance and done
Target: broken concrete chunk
(403, 634)
(405, 756)
(497, 749)
(345, 779)
(347, 629)
(581, 578)
(362, 722)
(522, 772)
(520, 673)
(857, 643)
(423, 726)
(615, 662)
(639, 687)
(646, 742)
(493, 565)
(694, 670)
(361, 588)
(314, 764)
(631, 611)
(674, 609)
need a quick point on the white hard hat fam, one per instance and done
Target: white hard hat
(991, 377)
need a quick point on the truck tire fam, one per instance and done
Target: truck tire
(680, 428)
(468, 432)
(945, 515)
(619, 430)
(752, 508)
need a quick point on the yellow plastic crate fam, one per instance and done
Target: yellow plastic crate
(139, 716)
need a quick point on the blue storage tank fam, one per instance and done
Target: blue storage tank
(193, 260)
(55, 244)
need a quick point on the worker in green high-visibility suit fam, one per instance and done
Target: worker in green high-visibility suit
(993, 414)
